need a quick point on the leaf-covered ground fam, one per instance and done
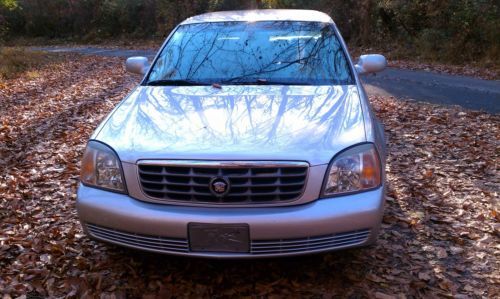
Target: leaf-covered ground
(485, 70)
(492, 72)
(440, 234)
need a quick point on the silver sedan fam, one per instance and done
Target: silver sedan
(250, 135)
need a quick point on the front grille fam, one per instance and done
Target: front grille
(250, 182)
(161, 244)
(327, 242)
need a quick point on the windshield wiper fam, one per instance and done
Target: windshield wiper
(176, 82)
(263, 82)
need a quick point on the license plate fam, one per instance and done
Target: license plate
(205, 237)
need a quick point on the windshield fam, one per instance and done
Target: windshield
(281, 52)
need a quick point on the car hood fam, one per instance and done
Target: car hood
(295, 123)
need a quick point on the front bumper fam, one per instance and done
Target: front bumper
(322, 225)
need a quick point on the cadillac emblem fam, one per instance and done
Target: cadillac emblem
(219, 186)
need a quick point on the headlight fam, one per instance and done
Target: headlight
(101, 168)
(354, 170)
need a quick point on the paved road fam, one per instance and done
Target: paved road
(435, 88)
(468, 92)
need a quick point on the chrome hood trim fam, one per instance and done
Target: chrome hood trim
(292, 123)
(225, 164)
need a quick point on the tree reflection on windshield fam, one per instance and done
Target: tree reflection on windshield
(260, 52)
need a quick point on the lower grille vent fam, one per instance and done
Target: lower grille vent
(161, 244)
(258, 247)
(309, 244)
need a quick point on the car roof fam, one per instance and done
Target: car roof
(261, 15)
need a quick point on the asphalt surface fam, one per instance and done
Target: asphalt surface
(468, 92)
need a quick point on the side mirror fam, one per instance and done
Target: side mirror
(137, 65)
(371, 63)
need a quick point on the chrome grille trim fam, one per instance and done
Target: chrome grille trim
(257, 247)
(326, 242)
(251, 182)
(162, 244)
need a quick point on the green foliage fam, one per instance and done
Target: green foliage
(8, 4)
(446, 30)
(216, 5)
(6, 7)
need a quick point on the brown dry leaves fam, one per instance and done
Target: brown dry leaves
(440, 235)
(490, 73)
(487, 71)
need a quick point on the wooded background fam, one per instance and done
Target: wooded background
(445, 30)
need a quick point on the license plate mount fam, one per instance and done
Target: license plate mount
(228, 238)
